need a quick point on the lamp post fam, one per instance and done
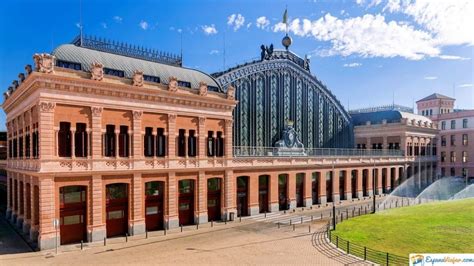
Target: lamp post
(373, 188)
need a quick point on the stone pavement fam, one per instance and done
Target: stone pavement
(10, 241)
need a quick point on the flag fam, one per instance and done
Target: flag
(285, 16)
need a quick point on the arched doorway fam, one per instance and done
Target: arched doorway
(263, 181)
(242, 196)
(375, 173)
(214, 188)
(117, 209)
(283, 192)
(186, 201)
(154, 205)
(384, 180)
(354, 183)
(73, 214)
(299, 189)
(342, 182)
(329, 176)
(365, 182)
(393, 182)
(314, 187)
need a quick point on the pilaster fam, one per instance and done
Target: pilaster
(138, 221)
(172, 217)
(201, 212)
(47, 233)
(46, 132)
(97, 229)
(230, 195)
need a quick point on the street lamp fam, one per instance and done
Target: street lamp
(373, 188)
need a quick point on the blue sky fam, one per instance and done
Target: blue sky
(365, 51)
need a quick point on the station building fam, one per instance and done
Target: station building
(109, 139)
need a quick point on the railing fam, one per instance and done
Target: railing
(247, 151)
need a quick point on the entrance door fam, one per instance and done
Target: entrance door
(283, 192)
(342, 175)
(186, 202)
(73, 213)
(117, 209)
(314, 187)
(384, 180)
(263, 193)
(299, 190)
(329, 186)
(214, 189)
(365, 180)
(242, 196)
(354, 184)
(154, 202)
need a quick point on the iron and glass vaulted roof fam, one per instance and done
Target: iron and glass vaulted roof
(128, 59)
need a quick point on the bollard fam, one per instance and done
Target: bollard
(348, 248)
(290, 221)
(82, 244)
(347, 214)
(365, 253)
(302, 208)
(240, 218)
(225, 220)
(321, 216)
(278, 225)
(387, 259)
(311, 207)
(164, 231)
(284, 211)
(197, 226)
(146, 234)
(126, 237)
(301, 219)
(265, 214)
(311, 218)
(352, 213)
(309, 228)
(181, 227)
(105, 241)
(337, 241)
(293, 227)
(212, 223)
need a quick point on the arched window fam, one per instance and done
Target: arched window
(124, 141)
(64, 139)
(160, 143)
(181, 143)
(219, 144)
(210, 144)
(192, 143)
(109, 141)
(149, 142)
(80, 140)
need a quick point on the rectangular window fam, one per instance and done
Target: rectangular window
(453, 157)
(115, 215)
(443, 171)
(149, 142)
(443, 156)
(443, 125)
(192, 143)
(212, 88)
(443, 141)
(160, 142)
(219, 144)
(464, 156)
(20, 143)
(72, 219)
(184, 206)
(35, 144)
(64, 139)
(453, 124)
(80, 140)
(181, 143)
(70, 65)
(109, 140)
(186, 186)
(464, 123)
(182, 83)
(114, 72)
(464, 140)
(27, 145)
(151, 79)
(124, 142)
(210, 144)
(453, 140)
(452, 171)
(151, 210)
(431, 111)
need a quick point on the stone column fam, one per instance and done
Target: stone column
(117, 135)
(9, 195)
(137, 135)
(335, 186)
(322, 187)
(46, 133)
(228, 149)
(254, 207)
(379, 181)
(292, 189)
(171, 136)
(388, 180)
(348, 184)
(97, 139)
(385, 142)
(97, 228)
(308, 193)
(172, 217)
(30, 132)
(137, 223)
(230, 194)
(201, 212)
(360, 192)
(202, 138)
(27, 204)
(73, 143)
(369, 143)
(274, 206)
(47, 233)
(370, 190)
(34, 222)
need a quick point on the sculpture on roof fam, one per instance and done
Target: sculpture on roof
(44, 63)
(97, 71)
(137, 79)
(173, 84)
(202, 88)
(266, 52)
(230, 93)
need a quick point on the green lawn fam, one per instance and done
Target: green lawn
(446, 227)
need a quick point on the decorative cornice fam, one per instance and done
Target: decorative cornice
(47, 107)
(172, 118)
(44, 63)
(137, 115)
(96, 111)
(202, 121)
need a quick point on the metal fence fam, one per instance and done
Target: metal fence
(251, 151)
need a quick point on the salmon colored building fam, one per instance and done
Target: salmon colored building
(108, 139)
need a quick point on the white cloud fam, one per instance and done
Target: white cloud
(453, 57)
(249, 24)
(118, 19)
(104, 25)
(367, 36)
(262, 22)
(431, 78)
(360, 2)
(236, 20)
(352, 65)
(209, 30)
(466, 85)
(143, 24)
(213, 52)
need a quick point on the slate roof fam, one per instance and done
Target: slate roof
(435, 96)
(86, 56)
(391, 116)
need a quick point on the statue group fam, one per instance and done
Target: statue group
(266, 52)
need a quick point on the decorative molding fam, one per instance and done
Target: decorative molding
(230, 93)
(44, 63)
(172, 118)
(97, 71)
(202, 88)
(228, 122)
(47, 107)
(137, 79)
(96, 111)
(202, 121)
(173, 84)
(137, 115)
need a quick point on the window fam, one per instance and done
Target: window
(212, 88)
(64, 139)
(453, 124)
(186, 186)
(464, 123)
(464, 156)
(443, 156)
(80, 140)
(464, 140)
(114, 72)
(27, 144)
(70, 65)
(443, 171)
(423, 112)
(109, 140)
(15, 148)
(453, 140)
(10, 148)
(210, 144)
(153, 188)
(443, 125)
(149, 142)
(160, 143)
(20, 150)
(35, 144)
(151, 79)
(72, 194)
(443, 141)
(431, 111)
(124, 142)
(184, 84)
(453, 157)
(116, 191)
(219, 144)
(182, 143)
(434, 149)
(417, 149)
(192, 143)
(452, 171)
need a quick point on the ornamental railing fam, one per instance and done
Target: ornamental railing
(251, 151)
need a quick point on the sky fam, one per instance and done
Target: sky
(367, 52)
